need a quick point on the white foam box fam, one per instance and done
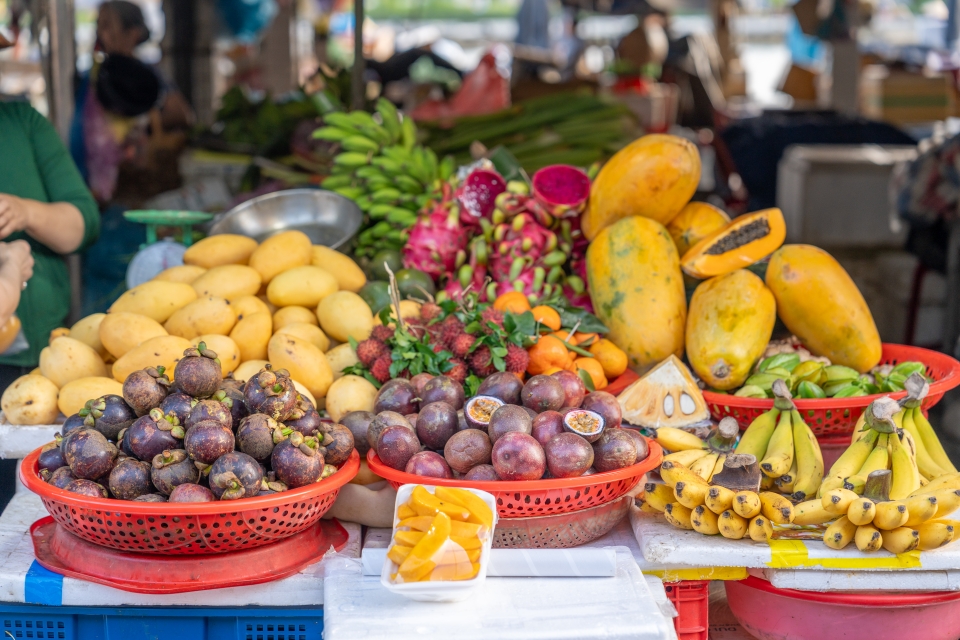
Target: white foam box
(16, 440)
(21, 576)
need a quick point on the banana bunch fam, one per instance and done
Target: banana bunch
(788, 452)
(703, 457)
(688, 501)
(382, 168)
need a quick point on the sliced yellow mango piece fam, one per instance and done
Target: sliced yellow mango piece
(422, 523)
(398, 553)
(427, 504)
(406, 511)
(420, 560)
(479, 511)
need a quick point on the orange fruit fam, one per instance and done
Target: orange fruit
(611, 357)
(548, 352)
(547, 316)
(565, 336)
(585, 338)
(551, 371)
(512, 301)
(591, 366)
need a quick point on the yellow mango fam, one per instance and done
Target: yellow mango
(251, 335)
(30, 400)
(215, 251)
(348, 273)
(308, 331)
(185, 273)
(344, 315)
(75, 394)
(155, 299)
(729, 324)
(305, 362)
(301, 286)
(163, 351)
(67, 359)
(229, 281)
(637, 290)
(87, 331)
(283, 251)
(292, 315)
(249, 368)
(820, 304)
(249, 305)
(120, 332)
(204, 315)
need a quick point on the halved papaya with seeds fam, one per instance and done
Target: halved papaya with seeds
(744, 241)
(695, 222)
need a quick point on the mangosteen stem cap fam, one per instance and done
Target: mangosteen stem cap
(156, 414)
(296, 438)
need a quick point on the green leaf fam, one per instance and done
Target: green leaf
(523, 323)
(498, 362)
(471, 385)
(589, 323)
(499, 351)
(472, 327)
(353, 342)
(587, 380)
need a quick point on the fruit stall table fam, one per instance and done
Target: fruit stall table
(17, 440)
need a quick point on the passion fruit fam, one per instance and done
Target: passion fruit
(258, 435)
(396, 445)
(89, 454)
(130, 479)
(358, 422)
(419, 381)
(179, 405)
(208, 440)
(546, 425)
(615, 449)
(436, 424)
(109, 414)
(466, 449)
(337, 443)
(87, 488)
(397, 395)
(504, 385)
(568, 455)
(606, 405)
(383, 420)
(543, 393)
(429, 464)
(482, 473)
(236, 475)
(145, 389)
(643, 449)
(191, 493)
(573, 387)
(479, 409)
(587, 424)
(172, 468)
(412, 419)
(461, 421)
(198, 373)
(443, 389)
(153, 433)
(508, 419)
(517, 456)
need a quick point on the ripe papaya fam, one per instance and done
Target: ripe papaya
(637, 290)
(695, 222)
(654, 177)
(744, 241)
(729, 324)
(819, 302)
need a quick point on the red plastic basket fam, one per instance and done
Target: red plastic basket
(691, 598)
(525, 498)
(838, 416)
(188, 528)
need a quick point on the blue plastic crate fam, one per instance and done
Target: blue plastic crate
(37, 622)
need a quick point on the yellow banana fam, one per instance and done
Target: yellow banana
(858, 431)
(906, 477)
(901, 540)
(779, 456)
(868, 538)
(776, 508)
(746, 504)
(809, 459)
(949, 481)
(850, 461)
(925, 463)
(686, 458)
(672, 473)
(811, 512)
(678, 515)
(838, 501)
(647, 508)
(934, 534)
(931, 442)
(856, 484)
(862, 511)
(705, 465)
(878, 459)
(890, 515)
(947, 502)
(717, 468)
(657, 495)
(690, 495)
(766, 483)
(673, 439)
(920, 509)
(839, 534)
(760, 529)
(787, 481)
(731, 525)
(704, 521)
(757, 436)
(719, 499)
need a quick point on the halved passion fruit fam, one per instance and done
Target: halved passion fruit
(479, 409)
(587, 424)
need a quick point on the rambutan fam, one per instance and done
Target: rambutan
(462, 344)
(482, 363)
(369, 350)
(451, 328)
(381, 333)
(459, 370)
(429, 311)
(517, 359)
(381, 368)
(491, 315)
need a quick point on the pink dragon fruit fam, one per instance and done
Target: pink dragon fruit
(470, 275)
(435, 241)
(477, 195)
(525, 253)
(561, 190)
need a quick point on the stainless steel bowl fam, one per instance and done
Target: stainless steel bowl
(326, 217)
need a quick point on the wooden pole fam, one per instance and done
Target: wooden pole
(356, 78)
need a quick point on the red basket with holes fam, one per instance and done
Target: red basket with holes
(525, 498)
(838, 416)
(188, 528)
(691, 598)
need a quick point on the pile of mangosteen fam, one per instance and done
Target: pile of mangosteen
(549, 427)
(198, 439)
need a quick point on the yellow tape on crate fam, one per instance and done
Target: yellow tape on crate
(788, 554)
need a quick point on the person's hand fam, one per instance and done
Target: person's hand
(13, 215)
(18, 252)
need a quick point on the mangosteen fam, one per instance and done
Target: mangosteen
(397, 395)
(482, 473)
(272, 393)
(643, 449)
(130, 479)
(72, 423)
(208, 440)
(87, 488)
(443, 389)
(429, 464)
(517, 456)
(478, 410)
(89, 454)
(296, 460)
(258, 435)
(191, 493)
(51, 458)
(614, 450)
(59, 478)
(109, 415)
(436, 423)
(238, 406)
(584, 423)
(507, 419)
(151, 497)
(152, 433)
(145, 389)
(270, 485)
(573, 387)
(396, 445)
(337, 443)
(309, 421)
(358, 422)
(383, 420)
(419, 381)
(235, 475)
(466, 449)
(546, 425)
(123, 443)
(503, 385)
(543, 393)
(171, 468)
(606, 405)
(179, 405)
(198, 373)
(568, 455)
(216, 408)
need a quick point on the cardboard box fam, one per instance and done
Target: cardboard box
(903, 97)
